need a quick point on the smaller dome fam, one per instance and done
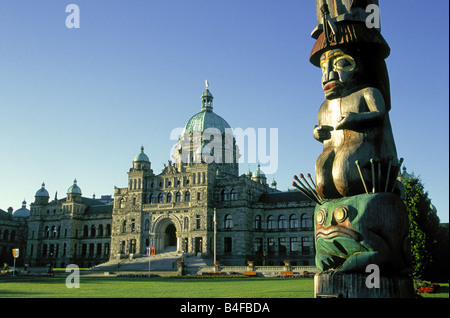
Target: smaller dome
(42, 192)
(258, 173)
(141, 156)
(74, 189)
(22, 212)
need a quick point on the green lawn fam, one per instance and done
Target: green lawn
(157, 287)
(162, 287)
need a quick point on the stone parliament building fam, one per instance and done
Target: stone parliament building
(182, 207)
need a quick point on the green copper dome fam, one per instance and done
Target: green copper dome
(141, 156)
(74, 189)
(206, 118)
(42, 192)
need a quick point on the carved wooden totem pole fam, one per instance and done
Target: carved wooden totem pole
(361, 224)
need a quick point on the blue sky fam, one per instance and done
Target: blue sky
(79, 103)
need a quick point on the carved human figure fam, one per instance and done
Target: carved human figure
(353, 122)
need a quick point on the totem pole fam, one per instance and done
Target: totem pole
(361, 224)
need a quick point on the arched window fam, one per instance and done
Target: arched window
(108, 229)
(306, 222)
(160, 198)
(186, 223)
(187, 196)
(150, 198)
(233, 195)
(122, 203)
(85, 231)
(270, 222)
(124, 226)
(223, 195)
(293, 221)
(282, 223)
(169, 197)
(93, 230)
(258, 222)
(228, 222)
(178, 197)
(100, 230)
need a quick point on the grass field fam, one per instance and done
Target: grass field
(157, 287)
(162, 287)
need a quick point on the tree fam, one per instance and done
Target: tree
(424, 229)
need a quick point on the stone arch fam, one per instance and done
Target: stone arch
(167, 230)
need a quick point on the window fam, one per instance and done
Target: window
(258, 222)
(108, 229)
(160, 198)
(258, 245)
(293, 222)
(197, 221)
(169, 197)
(100, 230)
(306, 221)
(306, 248)
(271, 245)
(270, 222)
(228, 222)
(228, 245)
(93, 230)
(133, 246)
(178, 197)
(150, 198)
(293, 245)
(198, 196)
(187, 196)
(124, 227)
(282, 246)
(186, 223)
(233, 196)
(223, 195)
(85, 231)
(282, 223)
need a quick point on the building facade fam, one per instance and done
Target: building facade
(198, 204)
(253, 220)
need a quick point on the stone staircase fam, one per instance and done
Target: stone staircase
(165, 261)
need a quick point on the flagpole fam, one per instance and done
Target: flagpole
(215, 230)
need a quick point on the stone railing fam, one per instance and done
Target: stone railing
(267, 271)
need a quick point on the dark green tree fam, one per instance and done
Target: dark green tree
(424, 229)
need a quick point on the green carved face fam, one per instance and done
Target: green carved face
(337, 233)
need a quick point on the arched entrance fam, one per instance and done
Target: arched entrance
(165, 233)
(170, 236)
